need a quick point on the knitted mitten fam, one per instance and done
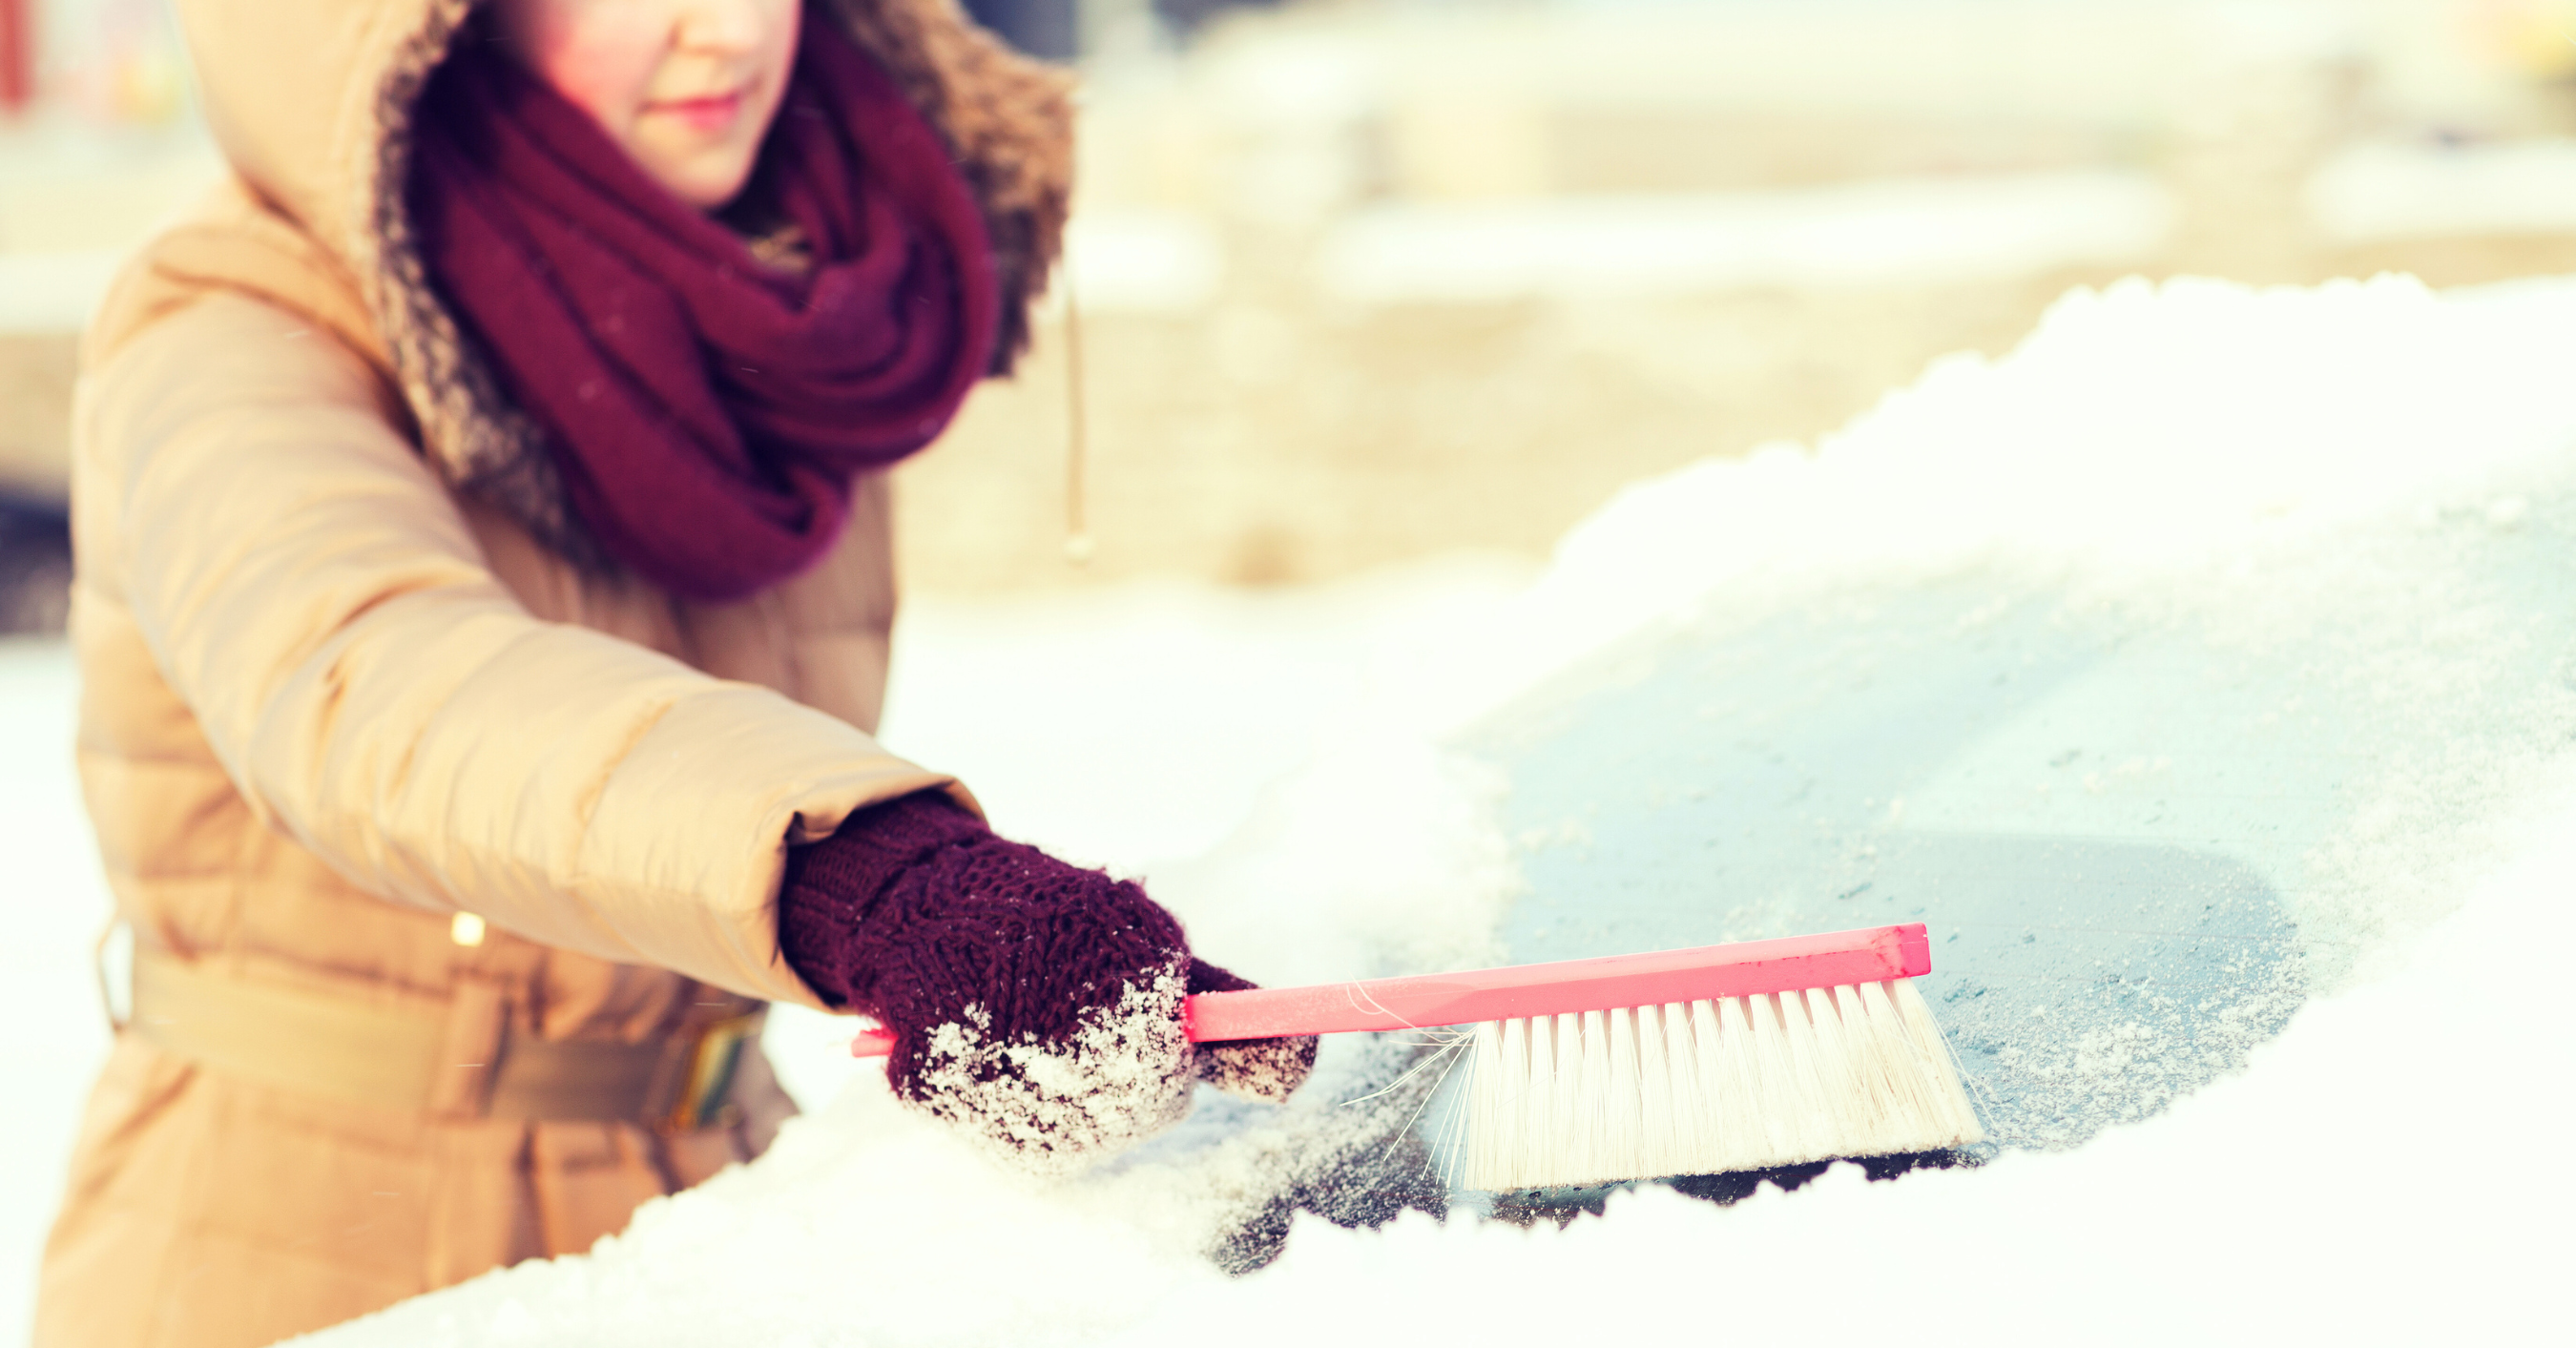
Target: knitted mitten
(1035, 1005)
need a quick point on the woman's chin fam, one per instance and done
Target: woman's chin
(708, 182)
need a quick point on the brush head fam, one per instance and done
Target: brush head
(1706, 1086)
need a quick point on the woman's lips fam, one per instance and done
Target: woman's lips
(710, 112)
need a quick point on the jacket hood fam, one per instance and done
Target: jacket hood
(311, 101)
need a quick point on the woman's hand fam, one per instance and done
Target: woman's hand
(1034, 1004)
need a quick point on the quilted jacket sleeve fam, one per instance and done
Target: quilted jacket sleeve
(312, 594)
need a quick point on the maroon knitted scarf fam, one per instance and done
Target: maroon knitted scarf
(707, 410)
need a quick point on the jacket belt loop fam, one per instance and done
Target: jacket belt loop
(469, 1057)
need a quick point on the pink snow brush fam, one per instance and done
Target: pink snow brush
(1679, 1062)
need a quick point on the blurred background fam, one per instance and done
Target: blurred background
(1363, 281)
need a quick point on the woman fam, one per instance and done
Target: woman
(482, 600)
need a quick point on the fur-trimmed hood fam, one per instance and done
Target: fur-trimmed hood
(312, 101)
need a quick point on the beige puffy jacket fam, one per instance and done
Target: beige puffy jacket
(340, 682)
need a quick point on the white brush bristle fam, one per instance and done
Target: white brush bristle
(1691, 1088)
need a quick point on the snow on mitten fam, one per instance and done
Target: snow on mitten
(1267, 1070)
(1035, 1005)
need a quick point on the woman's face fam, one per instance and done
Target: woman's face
(687, 87)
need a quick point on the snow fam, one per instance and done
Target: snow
(57, 903)
(54, 292)
(2373, 192)
(1145, 260)
(1848, 235)
(2332, 523)
(2176, 669)
(2301, 559)
(1120, 1078)
(2381, 1174)
(2363, 491)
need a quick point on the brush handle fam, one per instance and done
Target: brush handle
(1742, 969)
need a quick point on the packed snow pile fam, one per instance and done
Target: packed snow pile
(2206, 668)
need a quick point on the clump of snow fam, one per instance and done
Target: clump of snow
(2313, 478)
